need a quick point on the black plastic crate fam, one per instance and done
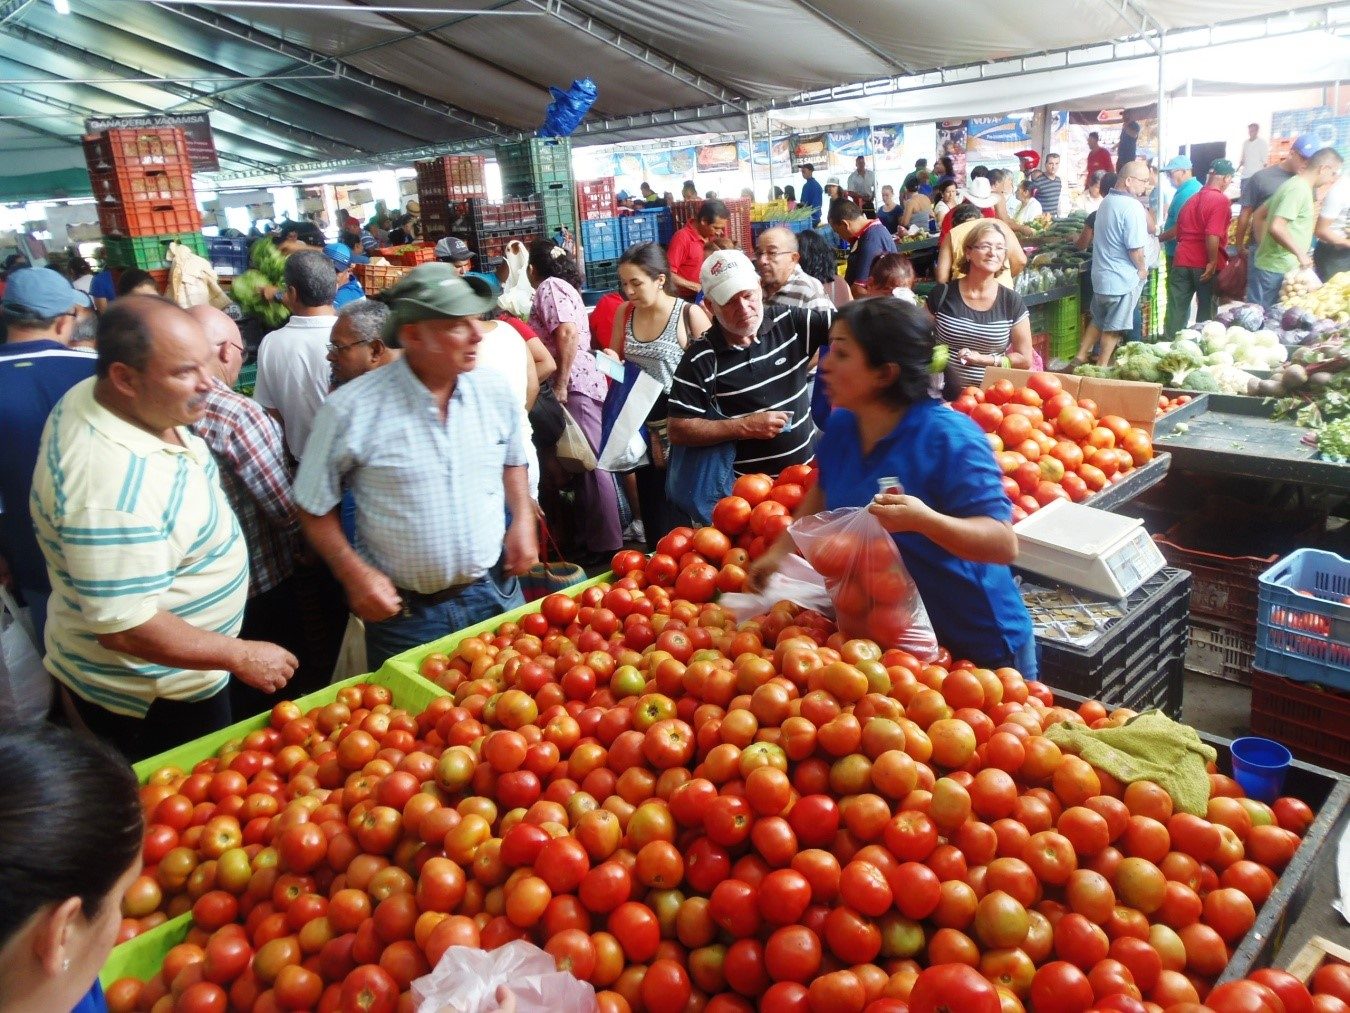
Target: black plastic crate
(1139, 660)
(602, 275)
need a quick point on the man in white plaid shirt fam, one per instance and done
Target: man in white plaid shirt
(434, 454)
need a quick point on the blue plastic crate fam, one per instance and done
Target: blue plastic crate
(1303, 619)
(634, 229)
(665, 223)
(228, 254)
(600, 239)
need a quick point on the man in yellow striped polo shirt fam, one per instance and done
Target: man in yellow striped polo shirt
(148, 567)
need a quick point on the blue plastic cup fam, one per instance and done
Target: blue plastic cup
(1259, 766)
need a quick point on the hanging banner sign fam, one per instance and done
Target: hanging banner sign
(718, 157)
(847, 145)
(1000, 129)
(779, 152)
(887, 142)
(808, 148)
(951, 141)
(196, 127)
(627, 164)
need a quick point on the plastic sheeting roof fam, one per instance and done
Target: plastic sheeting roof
(293, 81)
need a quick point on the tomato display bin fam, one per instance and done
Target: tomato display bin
(410, 690)
(410, 661)
(1328, 794)
(1138, 661)
(142, 956)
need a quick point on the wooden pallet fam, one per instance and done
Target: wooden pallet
(1317, 951)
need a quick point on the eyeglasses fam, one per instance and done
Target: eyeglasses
(770, 254)
(339, 349)
(986, 248)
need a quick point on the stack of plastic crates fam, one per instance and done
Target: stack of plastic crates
(637, 228)
(529, 166)
(491, 227)
(1059, 322)
(595, 198)
(661, 220)
(1301, 695)
(142, 181)
(444, 185)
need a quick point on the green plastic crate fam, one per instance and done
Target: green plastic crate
(1061, 321)
(530, 166)
(410, 691)
(410, 662)
(147, 252)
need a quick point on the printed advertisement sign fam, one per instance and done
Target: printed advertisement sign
(887, 142)
(196, 127)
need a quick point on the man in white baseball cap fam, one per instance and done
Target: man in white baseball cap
(747, 381)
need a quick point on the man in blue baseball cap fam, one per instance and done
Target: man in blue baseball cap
(348, 288)
(1260, 186)
(1180, 171)
(41, 313)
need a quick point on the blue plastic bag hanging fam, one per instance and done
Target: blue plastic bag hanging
(568, 108)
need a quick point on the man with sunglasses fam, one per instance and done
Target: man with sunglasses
(37, 367)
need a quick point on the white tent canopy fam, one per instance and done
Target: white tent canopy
(337, 83)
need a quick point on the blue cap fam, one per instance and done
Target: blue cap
(42, 293)
(1307, 145)
(1179, 162)
(622, 195)
(340, 254)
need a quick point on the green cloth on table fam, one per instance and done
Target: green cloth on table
(1148, 747)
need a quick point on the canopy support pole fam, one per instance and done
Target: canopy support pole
(750, 134)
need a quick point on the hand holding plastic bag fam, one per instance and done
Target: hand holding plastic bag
(794, 581)
(874, 595)
(466, 980)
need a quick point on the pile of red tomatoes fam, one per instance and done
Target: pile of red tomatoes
(695, 814)
(1050, 445)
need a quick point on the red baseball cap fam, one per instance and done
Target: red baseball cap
(1029, 156)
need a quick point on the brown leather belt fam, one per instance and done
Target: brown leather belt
(435, 598)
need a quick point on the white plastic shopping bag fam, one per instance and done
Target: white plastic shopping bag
(26, 687)
(794, 581)
(466, 979)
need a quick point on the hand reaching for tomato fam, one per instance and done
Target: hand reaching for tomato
(901, 513)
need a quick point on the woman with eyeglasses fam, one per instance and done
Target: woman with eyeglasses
(982, 322)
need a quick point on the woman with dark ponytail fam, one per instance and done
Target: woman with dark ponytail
(927, 474)
(559, 318)
(70, 846)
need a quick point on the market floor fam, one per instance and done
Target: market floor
(1216, 706)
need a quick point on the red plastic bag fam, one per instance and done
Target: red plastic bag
(874, 596)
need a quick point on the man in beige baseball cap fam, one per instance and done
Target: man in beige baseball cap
(433, 451)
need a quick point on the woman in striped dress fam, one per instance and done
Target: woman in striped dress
(981, 322)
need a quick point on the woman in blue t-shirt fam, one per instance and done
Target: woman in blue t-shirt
(71, 848)
(952, 521)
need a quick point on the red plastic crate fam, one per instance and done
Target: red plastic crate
(423, 254)
(127, 184)
(493, 247)
(451, 177)
(151, 218)
(738, 220)
(164, 147)
(1314, 723)
(595, 198)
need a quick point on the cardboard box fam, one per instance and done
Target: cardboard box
(1135, 402)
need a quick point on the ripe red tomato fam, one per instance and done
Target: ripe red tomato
(953, 987)
(369, 989)
(697, 582)
(559, 609)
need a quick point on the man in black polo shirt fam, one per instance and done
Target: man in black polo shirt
(753, 368)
